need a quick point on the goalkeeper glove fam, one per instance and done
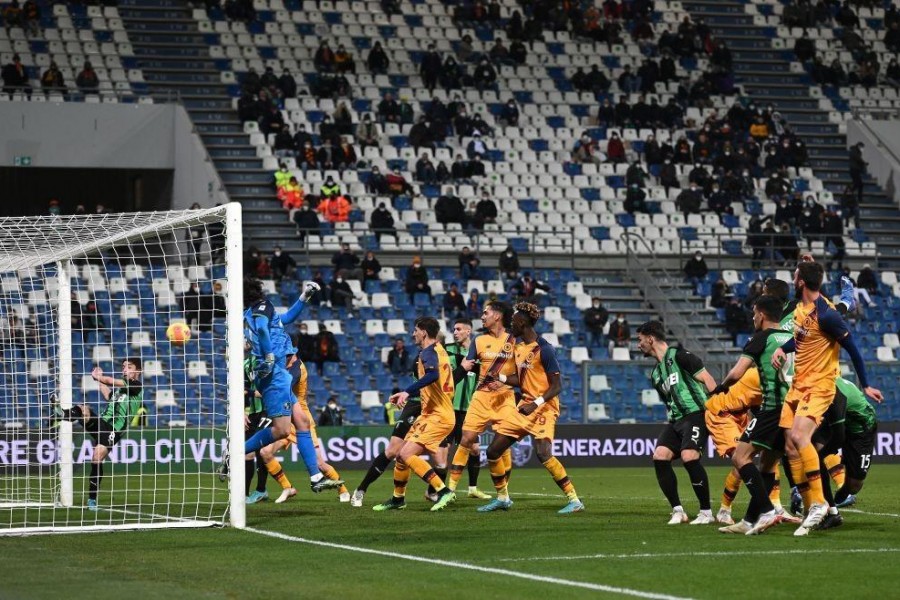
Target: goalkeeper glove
(264, 368)
(309, 290)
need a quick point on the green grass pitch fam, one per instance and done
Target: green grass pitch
(620, 542)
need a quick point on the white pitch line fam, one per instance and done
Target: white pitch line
(562, 496)
(597, 587)
(865, 512)
(702, 554)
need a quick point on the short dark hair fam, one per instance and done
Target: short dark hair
(429, 325)
(463, 321)
(135, 361)
(503, 308)
(770, 306)
(653, 328)
(777, 288)
(811, 274)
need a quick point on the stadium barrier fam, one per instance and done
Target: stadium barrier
(354, 447)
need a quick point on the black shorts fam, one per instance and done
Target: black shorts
(455, 436)
(257, 421)
(102, 432)
(764, 431)
(858, 453)
(687, 433)
(830, 433)
(407, 417)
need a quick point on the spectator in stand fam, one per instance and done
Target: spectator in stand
(397, 184)
(850, 206)
(787, 245)
(527, 287)
(606, 114)
(867, 282)
(377, 182)
(810, 222)
(368, 133)
(499, 53)
(388, 109)
(486, 208)
(287, 85)
(477, 148)
(399, 361)
(473, 305)
(256, 265)
(449, 208)
(454, 305)
(509, 114)
(425, 170)
(595, 319)
(736, 321)
(629, 82)
(719, 201)
(339, 291)
(468, 264)
(509, 263)
(52, 80)
(485, 76)
(690, 200)
(343, 120)
(615, 149)
(804, 48)
(586, 151)
(291, 195)
(12, 16)
(347, 262)
(301, 137)
(518, 53)
(720, 294)
(378, 61)
(281, 263)
(15, 77)
(370, 267)
(784, 214)
(327, 156)
(635, 199)
(269, 81)
(833, 234)
(382, 222)
(335, 209)
(284, 143)
(695, 270)
(332, 414)
(324, 58)
(272, 121)
(417, 281)
(326, 348)
(636, 175)
(778, 184)
(420, 136)
(619, 334)
(346, 155)
(406, 111)
(330, 187)
(307, 221)
(857, 169)
(668, 176)
(892, 38)
(343, 61)
(430, 68)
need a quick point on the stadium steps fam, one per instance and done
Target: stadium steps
(789, 92)
(174, 56)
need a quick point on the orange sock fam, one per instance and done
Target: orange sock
(275, 470)
(559, 475)
(331, 473)
(835, 469)
(401, 478)
(775, 492)
(799, 475)
(498, 475)
(813, 474)
(460, 460)
(507, 464)
(732, 485)
(424, 470)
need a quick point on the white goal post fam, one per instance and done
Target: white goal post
(86, 368)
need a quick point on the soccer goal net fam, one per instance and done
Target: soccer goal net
(121, 385)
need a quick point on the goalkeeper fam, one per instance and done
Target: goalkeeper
(271, 346)
(124, 399)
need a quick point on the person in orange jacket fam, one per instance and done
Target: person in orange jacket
(291, 194)
(335, 209)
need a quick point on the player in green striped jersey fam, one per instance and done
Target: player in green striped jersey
(254, 420)
(683, 383)
(465, 382)
(860, 427)
(124, 398)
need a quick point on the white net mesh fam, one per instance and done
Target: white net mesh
(112, 285)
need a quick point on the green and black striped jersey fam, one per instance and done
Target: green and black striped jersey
(860, 413)
(772, 383)
(124, 403)
(462, 394)
(253, 404)
(674, 379)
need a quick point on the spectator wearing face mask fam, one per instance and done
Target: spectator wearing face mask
(619, 333)
(399, 360)
(417, 281)
(332, 415)
(615, 149)
(382, 222)
(341, 294)
(695, 270)
(509, 263)
(370, 267)
(595, 319)
(346, 262)
(454, 303)
(282, 263)
(690, 200)
(307, 221)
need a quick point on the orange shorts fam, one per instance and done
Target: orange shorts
(485, 408)
(300, 389)
(726, 430)
(541, 424)
(812, 403)
(744, 394)
(430, 430)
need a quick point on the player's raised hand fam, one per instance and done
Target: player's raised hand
(310, 289)
(874, 393)
(399, 399)
(778, 358)
(97, 373)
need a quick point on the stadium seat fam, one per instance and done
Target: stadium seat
(370, 399)
(580, 355)
(597, 412)
(621, 354)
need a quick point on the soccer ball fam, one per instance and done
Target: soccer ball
(178, 334)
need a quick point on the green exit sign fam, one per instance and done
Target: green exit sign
(22, 161)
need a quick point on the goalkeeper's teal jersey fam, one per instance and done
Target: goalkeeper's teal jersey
(124, 403)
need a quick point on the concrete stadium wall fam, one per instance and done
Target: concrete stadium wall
(112, 136)
(881, 151)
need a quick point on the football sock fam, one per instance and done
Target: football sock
(474, 467)
(460, 460)
(96, 478)
(732, 485)
(841, 494)
(835, 469)
(699, 481)
(440, 472)
(559, 475)
(812, 468)
(378, 466)
(262, 473)
(826, 486)
(249, 470)
(260, 439)
(507, 465)
(759, 500)
(774, 487)
(788, 474)
(401, 478)
(275, 470)
(799, 477)
(668, 483)
(330, 472)
(308, 454)
(498, 475)
(425, 471)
